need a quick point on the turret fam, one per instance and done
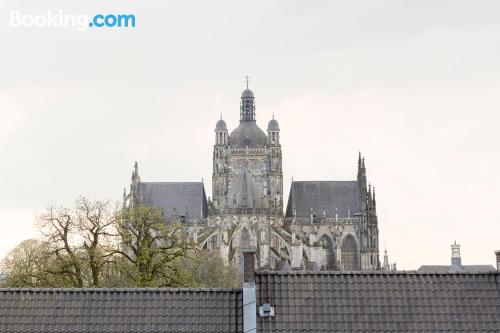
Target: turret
(273, 132)
(221, 135)
(247, 106)
(456, 259)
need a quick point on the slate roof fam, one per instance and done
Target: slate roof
(454, 269)
(183, 196)
(379, 302)
(120, 310)
(335, 197)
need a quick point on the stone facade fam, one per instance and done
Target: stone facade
(328, 225)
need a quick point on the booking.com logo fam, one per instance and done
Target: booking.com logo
(59, 19)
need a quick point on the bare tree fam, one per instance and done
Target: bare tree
(58, 226)
(95, 221)
(81, 240)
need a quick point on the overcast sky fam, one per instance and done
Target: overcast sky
(413, 85)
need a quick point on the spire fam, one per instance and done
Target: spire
(135, 177)
(363, 186)
(247, 105)
(124, 203)
(386, 266)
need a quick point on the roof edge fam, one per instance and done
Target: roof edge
(164, 290)
(374, 273)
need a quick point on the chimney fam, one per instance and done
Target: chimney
(456, 259)
(249, 296)
(248, 266)
(497, 253)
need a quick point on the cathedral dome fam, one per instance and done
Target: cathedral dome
(221, 126)
(247, 134)
(273, 125)
(247, 93)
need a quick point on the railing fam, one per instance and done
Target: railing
(323, 220)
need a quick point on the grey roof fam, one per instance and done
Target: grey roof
(120, 310)
(454, 269)
(247, 93)
(273, 125)
(183, 196)
(331, 196)
(379, 302)
(247, 134)
(221, 125)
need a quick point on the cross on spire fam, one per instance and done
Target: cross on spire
(247, 79)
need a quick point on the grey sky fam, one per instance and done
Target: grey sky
(412, 84)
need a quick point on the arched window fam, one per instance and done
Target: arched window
(349, 255)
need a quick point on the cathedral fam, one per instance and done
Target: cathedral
(327, 225)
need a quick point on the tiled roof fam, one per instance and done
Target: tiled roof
(454, 269)
(185, 197)
(333, 197)
(379, 302)
(120, 310)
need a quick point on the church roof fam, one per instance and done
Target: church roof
(379, 302)
(334, 197)
(273, 125)
(120, 310)
(185, 197)
(247, 93)
(454, 269)
(247, 134)
(220, 125)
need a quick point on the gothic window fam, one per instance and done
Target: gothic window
(349, 256)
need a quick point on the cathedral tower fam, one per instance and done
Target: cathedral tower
(247, 174)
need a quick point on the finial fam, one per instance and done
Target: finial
(202, 179)
(247, 79)
(273, 115)
(221, 116)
